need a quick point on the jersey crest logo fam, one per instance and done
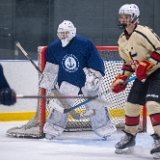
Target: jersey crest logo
(70, 63)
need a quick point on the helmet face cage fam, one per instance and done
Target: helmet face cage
(68, 27)
(132, 10)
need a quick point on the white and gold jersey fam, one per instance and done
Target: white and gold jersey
(143, 44)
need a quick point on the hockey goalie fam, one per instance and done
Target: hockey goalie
(74, 63)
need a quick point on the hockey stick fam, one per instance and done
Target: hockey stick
(20, 96)
(26, 54)
(55, 97)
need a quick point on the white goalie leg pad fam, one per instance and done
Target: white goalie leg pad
(57, 121)
(100, 121)
(49, 76)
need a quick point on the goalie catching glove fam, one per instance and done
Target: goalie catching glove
(142, 69)
(93, 79)
(117, 85)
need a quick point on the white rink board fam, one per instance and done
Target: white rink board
(23, 78)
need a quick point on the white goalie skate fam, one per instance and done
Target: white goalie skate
(126, 144)
(155, 151)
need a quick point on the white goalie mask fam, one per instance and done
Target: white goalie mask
(66, 31)
(132, 10)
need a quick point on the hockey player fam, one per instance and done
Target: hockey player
(74, 62)
(7, 95)
(139, 47)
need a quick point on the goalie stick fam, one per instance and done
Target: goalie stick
(26, 55)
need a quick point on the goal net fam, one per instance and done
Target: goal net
(113, 63)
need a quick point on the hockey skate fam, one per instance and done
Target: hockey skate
(126, 144)
(155, 151)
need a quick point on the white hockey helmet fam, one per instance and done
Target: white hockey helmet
(132, 10)
(68, 28)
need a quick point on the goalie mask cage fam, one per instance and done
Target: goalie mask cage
(113, 63)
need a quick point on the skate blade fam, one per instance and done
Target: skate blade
(129, 150)
(156, 155)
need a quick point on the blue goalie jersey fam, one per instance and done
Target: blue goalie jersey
(78, 54)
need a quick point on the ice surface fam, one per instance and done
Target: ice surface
(70, 146)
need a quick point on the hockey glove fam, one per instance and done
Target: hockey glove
(117, 85)
(7, 96)
(143, 67)
(93, 79)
